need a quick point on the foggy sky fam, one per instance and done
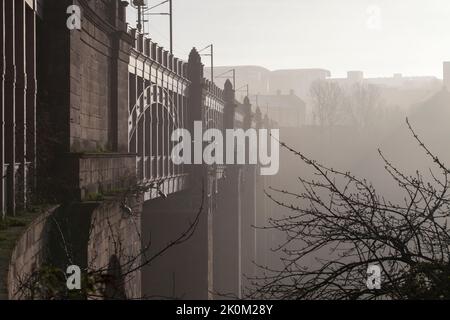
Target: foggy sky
(410, 37)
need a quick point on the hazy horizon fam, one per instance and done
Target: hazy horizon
(409, 37)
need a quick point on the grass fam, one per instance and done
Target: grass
(100, 196)
(13, 222)
(95, 197)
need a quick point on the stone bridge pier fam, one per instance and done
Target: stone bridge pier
(217, 259)
(177, 270)
(94, 127)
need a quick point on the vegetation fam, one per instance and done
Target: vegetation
(360, 105)
(339, 225)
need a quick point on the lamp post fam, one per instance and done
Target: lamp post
(171, 25)
(244, 88)
(222, 75)
(170, 14)
(210, 54)
(143, 10)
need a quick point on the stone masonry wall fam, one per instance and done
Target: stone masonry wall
(104, 173)
(98, 74)
(90, 55)
(116, 237)
(102, 238)
(28, 254)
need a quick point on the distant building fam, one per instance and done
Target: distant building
(256, 77)
(265, 82)
(447, 75)
(396, 81)
(396, 91)
(299, 80)
(355, 76)
(288, 110)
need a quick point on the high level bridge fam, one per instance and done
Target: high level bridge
(166, 93)
(107, 99)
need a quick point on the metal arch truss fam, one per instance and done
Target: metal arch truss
(136, 113)
(169, 177)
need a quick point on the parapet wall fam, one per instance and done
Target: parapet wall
(28, 254)
(102, 238)
(115, 246)
(150, 52)
(100, 174)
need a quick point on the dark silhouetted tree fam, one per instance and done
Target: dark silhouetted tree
(344, 218)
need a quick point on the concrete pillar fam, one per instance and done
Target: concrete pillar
(260, 208)
(230, 105)
(261, 221)
(228, 236)
(248, 200)
(2, 86)
(195, 75)
(9, 103)
(185, 271)
(182, 271)
(227, 218)
(118, 134)
(20, 103)
(446, 74)
(31, 96)
(266, 237)
(247, 114)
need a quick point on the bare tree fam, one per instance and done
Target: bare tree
(327, 98)
(365, 104)
(345, 218)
